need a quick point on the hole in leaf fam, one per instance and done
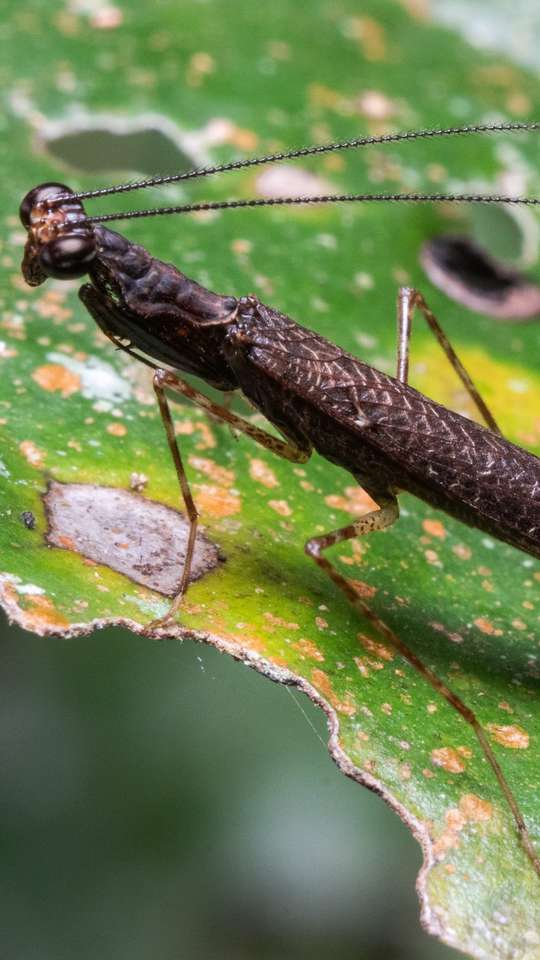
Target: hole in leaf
(470, 275)
(508, 233)
(148, 146)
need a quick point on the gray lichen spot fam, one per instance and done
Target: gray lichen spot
(140, 538)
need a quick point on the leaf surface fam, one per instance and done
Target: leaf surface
(220, 80)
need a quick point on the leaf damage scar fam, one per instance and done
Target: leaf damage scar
(137, 537)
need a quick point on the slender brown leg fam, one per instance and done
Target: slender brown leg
(164, 380)
(104, 312)
(282, 448)
(189, 503)
(378, 520)
(408, 300)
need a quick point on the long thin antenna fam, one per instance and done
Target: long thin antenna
(296, 201)
(300, 152)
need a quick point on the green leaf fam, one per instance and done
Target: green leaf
(227, 80)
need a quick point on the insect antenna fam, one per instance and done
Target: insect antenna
(297, 201)
(317, 149)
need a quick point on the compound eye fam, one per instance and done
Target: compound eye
(68, 257)
(43, 192)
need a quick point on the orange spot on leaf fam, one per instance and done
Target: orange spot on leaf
(449, 759)
(512, 736)
(487, 627)
(32, 453)
(41, 614)
(57, 379)
(117, 429)
(362, 665)
(435, 528)
(214, 471)
(371, 37)
(461, 551)
(364, 590)
(66, 542)
(274, 622)
(262, 473)
(504, 705)
(281, 507)
(419, 9)
(356, 502)
(343, 705)
(308, 649)
(448, 840)
(186, 428)
(375, 647)
(474, 808)
(471, 809)
(216, 501)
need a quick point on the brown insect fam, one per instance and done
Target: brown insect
(386, 434)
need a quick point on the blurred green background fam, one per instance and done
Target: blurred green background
(158, 799)
(161, 800)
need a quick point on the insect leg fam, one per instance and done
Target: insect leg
(106, 312)
(164, 380)
(189, 503)
(408, 300)
(282, 448)
(377, 520)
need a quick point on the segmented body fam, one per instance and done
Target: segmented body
(387, 434)
(390, 435)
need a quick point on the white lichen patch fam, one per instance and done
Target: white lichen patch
(99, 380)
(6, 352)
(27, 589)
(488, 26)
(287, 180)
(152, 608)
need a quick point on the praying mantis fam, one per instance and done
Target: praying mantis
(386, 434)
